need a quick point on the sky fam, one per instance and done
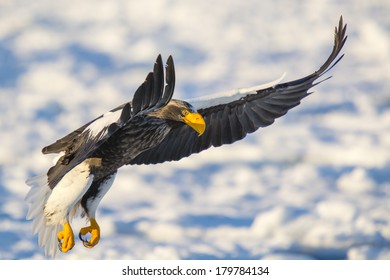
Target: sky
(314, 185)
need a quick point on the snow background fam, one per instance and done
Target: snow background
(314, 185)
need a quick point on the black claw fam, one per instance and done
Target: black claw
(81, 237)
(87, 244)
(85, 241)
(59, 244)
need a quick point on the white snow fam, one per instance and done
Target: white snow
(314, 185)
(356, 181)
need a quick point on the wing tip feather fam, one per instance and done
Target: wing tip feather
(152, 94)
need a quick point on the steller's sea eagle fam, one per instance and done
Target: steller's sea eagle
(152, 128)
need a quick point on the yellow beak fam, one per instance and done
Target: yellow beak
(196, 121)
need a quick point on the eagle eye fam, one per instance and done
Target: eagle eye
(185, 112)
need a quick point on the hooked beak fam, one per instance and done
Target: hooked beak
(196, 122)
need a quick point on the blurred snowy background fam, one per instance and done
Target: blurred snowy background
(314, 185)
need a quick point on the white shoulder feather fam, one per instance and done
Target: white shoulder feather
(230, 96)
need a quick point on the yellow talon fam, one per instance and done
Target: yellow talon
(65, 238)
(94, 230)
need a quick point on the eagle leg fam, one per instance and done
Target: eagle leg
(65, 238)
(94, 230)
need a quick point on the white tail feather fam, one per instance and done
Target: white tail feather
(37, 198)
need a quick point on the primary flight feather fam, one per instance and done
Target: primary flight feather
(152, 128)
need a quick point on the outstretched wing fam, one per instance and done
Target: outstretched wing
(66, 141)
(84, 141)
(79, 144)
(147, 96)
(231, 118)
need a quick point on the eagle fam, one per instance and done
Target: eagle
(152, 128)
